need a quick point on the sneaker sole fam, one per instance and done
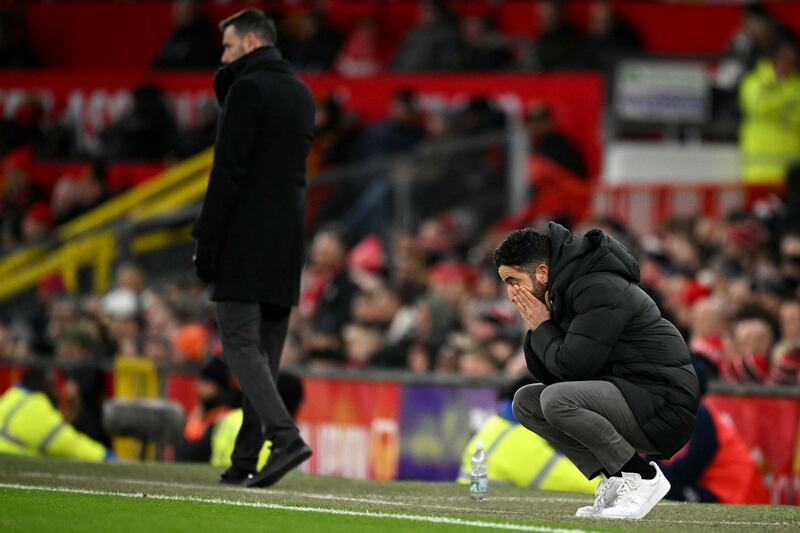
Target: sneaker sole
(284, 469)
(586, 512)
(648, 506)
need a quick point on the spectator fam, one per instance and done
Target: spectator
(751, 43)
(18, 195)
(85, 387)
(362, 52)
(15, 52)
(785, 358)
(147, 132)
(399, 133)
(557, 172)
(122, 319)
(216, 398)
(610, 37)
(707, 324)
(202, 133)
(37, 223)
(313, 46)
(769, 137)
(192, 44)
(483, 48)
(361, 342)
(715, 466)
(548, 142)
(790, 258)
(558, 45)
(71, 199)
(433, 44)
(751, 338)
(336, 142)
(325, 301)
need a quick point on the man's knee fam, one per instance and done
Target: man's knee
(525, 404)
(239, 340)
(555, 402)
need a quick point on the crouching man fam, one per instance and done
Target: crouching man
(616, 378)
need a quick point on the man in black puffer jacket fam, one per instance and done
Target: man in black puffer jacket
(616, 376)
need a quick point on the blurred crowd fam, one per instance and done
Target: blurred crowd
(431, 300)
(757, 80)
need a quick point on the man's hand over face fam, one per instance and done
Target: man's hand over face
(533, 311)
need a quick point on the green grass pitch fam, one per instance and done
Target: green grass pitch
(50, 495)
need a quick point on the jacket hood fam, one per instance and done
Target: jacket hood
(573, 255)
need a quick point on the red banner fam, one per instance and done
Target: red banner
(352, 426)
(769, 426)
(94, 99)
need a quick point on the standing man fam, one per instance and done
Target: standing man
(250, 233)
(616, 378)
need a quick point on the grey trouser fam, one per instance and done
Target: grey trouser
(588, 421)
(252, 341)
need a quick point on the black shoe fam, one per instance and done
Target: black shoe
(235, 476)
(281, 460)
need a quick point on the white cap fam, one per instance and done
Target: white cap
(120, 303)
(479, 445)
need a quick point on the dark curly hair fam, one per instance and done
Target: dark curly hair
(523, 248)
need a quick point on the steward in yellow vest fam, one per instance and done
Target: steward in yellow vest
(518, 456)
(769, 97)
(31, 425)
(223, 440)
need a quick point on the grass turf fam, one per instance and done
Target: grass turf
(305, 503)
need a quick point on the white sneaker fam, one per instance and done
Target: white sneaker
(636, 496)
(604, 495)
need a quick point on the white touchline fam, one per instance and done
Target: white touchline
(369, 514)
(197, 486)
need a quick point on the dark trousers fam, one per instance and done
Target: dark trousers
(252, 340)
(588, 421)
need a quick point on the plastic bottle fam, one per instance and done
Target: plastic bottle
(479, 481)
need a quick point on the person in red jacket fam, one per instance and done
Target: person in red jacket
(715, 466)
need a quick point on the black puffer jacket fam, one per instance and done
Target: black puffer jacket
(604, 327)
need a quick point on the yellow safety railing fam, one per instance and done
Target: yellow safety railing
(85, 244)
(138, 197)
(97, 251)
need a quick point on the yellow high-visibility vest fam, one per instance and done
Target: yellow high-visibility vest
(223, 440)
(30, 425)
(769, 135)
(516, 455)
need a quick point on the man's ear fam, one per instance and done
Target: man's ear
(542, 274)
(251, 42)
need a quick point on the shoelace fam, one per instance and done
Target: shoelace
(598, 501)
(625, 491)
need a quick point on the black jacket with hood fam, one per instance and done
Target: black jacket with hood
(604, 327)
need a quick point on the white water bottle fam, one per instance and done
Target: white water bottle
(479, 481)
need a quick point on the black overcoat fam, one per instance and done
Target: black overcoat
(253, 213)
(605, 327)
